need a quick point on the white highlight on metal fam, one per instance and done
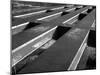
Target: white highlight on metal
(70, 19)
(73, 21)
(93, 25)
(49, 16)
(43, 42)
(29, 43)
(70, 9)
(48, 44)
(20, 25)
(30, 14)
(84, 11)
(78, 55)
(18, 48)
(80, 7)
(90, 7)
(57, 8)
(40, 43)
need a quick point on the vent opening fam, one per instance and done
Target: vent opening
(81, 16)
(60, 31)
(92, 39)
(94, 7)
(84, 6)
(49, 11)
(89, 10)
(31, 24)
(65, 7)
(77, 9)
(64, 13)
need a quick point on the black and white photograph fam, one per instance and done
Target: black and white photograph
(52, 37)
